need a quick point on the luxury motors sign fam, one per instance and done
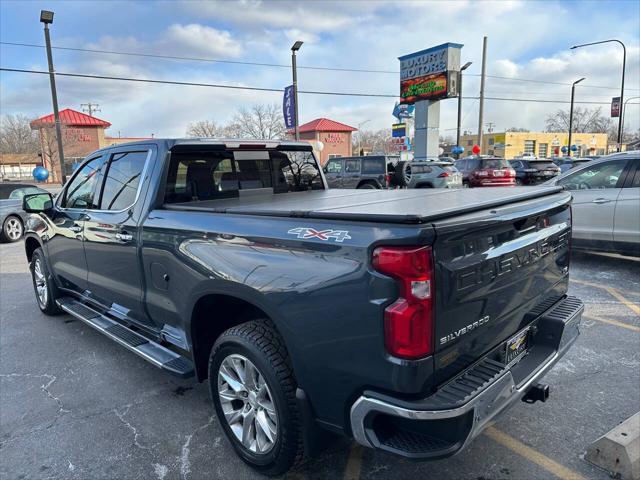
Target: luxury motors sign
(430, 74)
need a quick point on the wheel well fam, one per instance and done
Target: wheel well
(212, 315)
(424, 185)
(30, 246)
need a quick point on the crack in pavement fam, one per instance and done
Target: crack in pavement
(133, 429)
(45, 389)
(185, 463)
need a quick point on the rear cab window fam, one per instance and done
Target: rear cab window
(218, 174)
(493, 163)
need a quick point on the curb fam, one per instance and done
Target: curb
(618, 452)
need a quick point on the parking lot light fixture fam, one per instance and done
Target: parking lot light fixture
(464, 67)
(46, 17)
(296, 46)
(624, 62)
(573, 93)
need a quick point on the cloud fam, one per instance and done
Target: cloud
(195, 39)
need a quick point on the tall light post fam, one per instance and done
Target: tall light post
(46, 17)
(624, 62)
(296, 46)
(360, 135)
(464, 67)
(624, 109)
(573, 93)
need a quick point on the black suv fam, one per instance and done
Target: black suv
(534, 171)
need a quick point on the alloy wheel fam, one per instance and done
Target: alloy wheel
(40, 281)
(13, 229)
(247, 404)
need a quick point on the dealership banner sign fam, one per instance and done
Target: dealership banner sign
(430, 74)
(615, 107)
(289, 108)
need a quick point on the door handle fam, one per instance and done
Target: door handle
(601, 200)
(76, 229)
(124, 237)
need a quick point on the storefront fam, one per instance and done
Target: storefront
(328, 137)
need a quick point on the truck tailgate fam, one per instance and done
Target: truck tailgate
(496, 269)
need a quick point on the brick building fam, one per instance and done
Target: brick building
(335, 138)
(81, 135)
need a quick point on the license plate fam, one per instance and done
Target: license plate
(498, 173)
(516, 346)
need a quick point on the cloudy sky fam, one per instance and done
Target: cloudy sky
(527, 41)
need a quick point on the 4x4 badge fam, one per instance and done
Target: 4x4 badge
(324, 235)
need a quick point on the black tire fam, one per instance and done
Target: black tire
(38, 264)
(12, 229)
(465, 184)
(261, 344)
(402, 175)
(519, 182)
(367, 185)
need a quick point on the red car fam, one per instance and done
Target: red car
(486, 172)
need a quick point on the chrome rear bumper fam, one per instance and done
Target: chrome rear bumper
(419, 426)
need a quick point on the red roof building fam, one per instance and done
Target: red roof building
(71, 118)
(81, 135)
(328, 137)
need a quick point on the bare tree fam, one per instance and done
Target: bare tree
(374, 141)
(49, 146)
(16, 135)
(259, 121)
(210, 129)
(585, 120)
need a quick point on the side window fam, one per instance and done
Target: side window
(123, 178)
(352, 165)
(516, 164)
(599, 176)
(461, 164)
(295, 171)
(80, 192)
(334, 166)
(636, 179)
(373, 166)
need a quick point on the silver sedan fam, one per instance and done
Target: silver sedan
(12, 217)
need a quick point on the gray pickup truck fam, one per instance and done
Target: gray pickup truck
(406, 319)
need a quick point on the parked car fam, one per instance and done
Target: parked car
(484, 171)
(408, 320)
(533, 171)
(375, 171)
(569, 163)
(606, 203)
(12, 216)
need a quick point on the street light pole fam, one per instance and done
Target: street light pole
(46, 17)
(573, 93)
(464, 67)
(624, 63)
(360, 135)
(624, 109)
(296, 46)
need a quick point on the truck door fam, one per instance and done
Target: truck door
(65, 244)
(351, 176)
(333, 172)
(112, 238)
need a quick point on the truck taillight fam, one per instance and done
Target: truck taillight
(408, 322)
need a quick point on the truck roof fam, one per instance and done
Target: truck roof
(410, 206)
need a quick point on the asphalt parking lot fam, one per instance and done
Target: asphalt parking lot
(74, 405)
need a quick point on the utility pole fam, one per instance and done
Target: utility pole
(573, 94)
(46, 17)
(90, 108)
(482, 78)
(296, 46)
(490, 126)
(462, 69)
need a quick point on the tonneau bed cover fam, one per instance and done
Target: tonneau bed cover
(387, 206)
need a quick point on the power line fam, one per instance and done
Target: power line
(263, 89)
(279, 65)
